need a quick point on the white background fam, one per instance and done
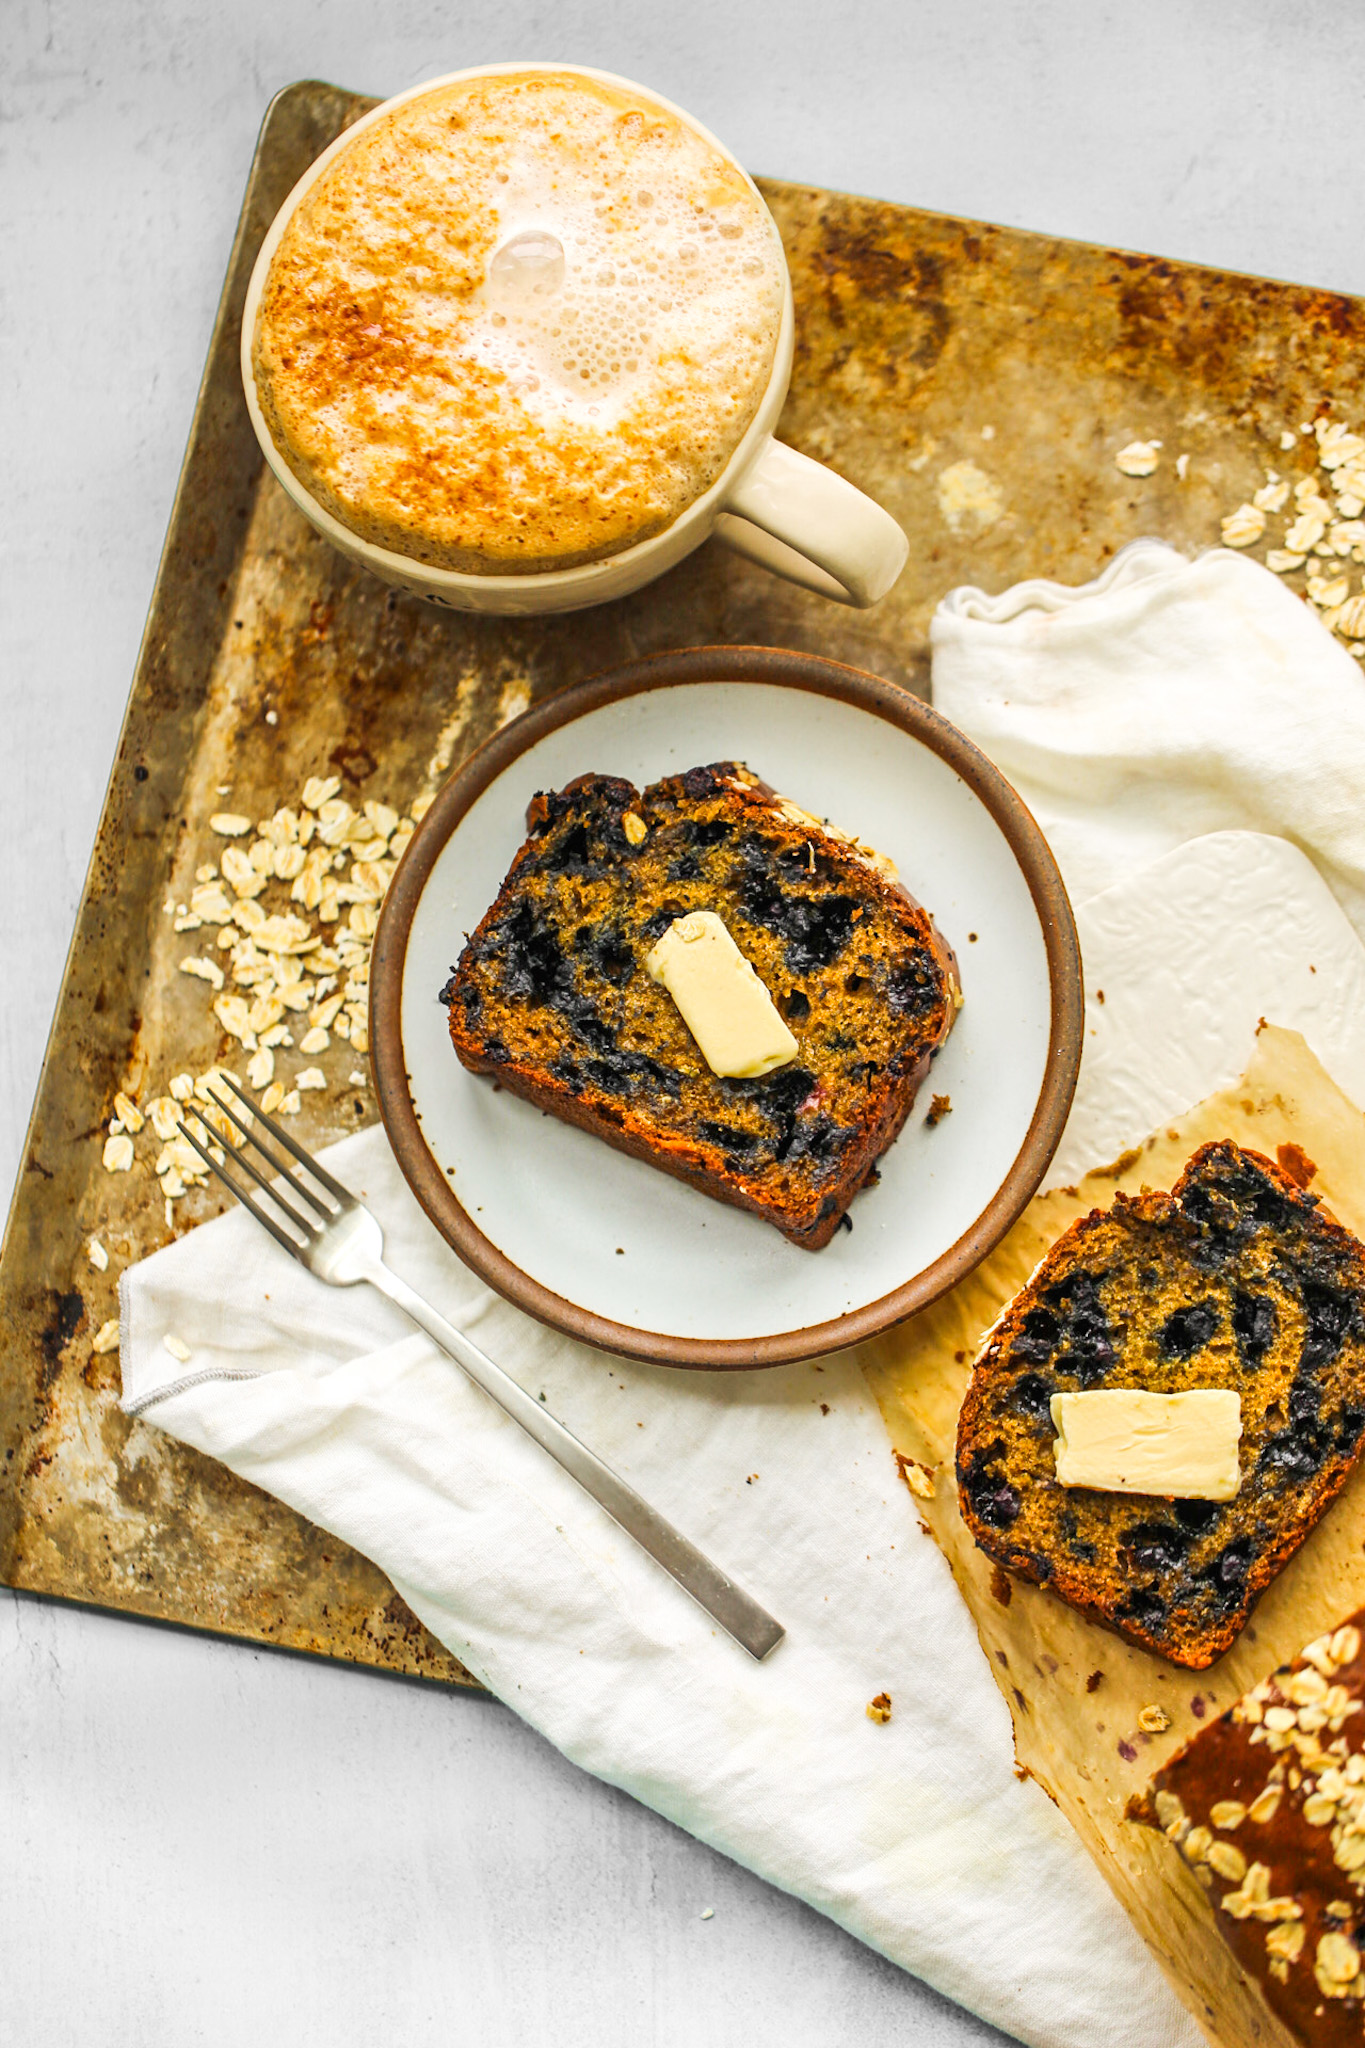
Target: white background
(200, 1843)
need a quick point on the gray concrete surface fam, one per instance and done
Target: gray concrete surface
(199, 1844)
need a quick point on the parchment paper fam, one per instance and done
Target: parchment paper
(1074, 1690)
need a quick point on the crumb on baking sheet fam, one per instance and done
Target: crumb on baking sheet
(879, 1708)
(940, 1107)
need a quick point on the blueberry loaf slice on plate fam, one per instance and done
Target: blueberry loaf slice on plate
(560, 992)
(1267, 1807)
(1234, 1292)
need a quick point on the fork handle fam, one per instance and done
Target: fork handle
(738, 1614)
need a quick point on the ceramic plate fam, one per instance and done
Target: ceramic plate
(606, 1248)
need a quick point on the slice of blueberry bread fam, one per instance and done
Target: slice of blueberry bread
(1267, 1807)
(1237, 1279)
(552, 995)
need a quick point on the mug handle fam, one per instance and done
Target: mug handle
(797, 517)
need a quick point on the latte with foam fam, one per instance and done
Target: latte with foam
(519, 324)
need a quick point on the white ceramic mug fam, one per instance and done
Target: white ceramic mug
(769, 502)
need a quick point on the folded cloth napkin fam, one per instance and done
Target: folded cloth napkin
(914, 1834)
(1167, 698)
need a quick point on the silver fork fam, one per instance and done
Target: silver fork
(334, 1235)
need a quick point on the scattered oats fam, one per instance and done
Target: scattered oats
(128, 1113)
(419, 810)
(1346, 1645)
(297, 995)
(1282, 561)
(291, 1104)
(1347, 537)
(229, 824)
(245, 877)
(1242, 527)
(400, 841)
(1272, 497)
(357, 1079)
(206, 970)
(207, 1083)
(207, 873)
(282, 829)
(188, 923)
(1139, 458)
(289, 862)
(1155, 1721)
(321, 1015)
(1182, 466)
(210, 904)
(97, 1255)
(311, 1077)
(1336, 446)
(335, 818)
(284, 933)
(266, 1012)
(273, 1097)
(363, 920)
(235, 1017)
(261, 854)
(342, 1028)
(360, 1035)
(1337, 1964)
(1288, 440)
(319, 790)
(260, 1068)
(1227, 1813)
(118, 1154)
(279, 1034)
(1305, 532)
(1349, 618)
(105, 1338)
(879, 1709)
(1328, 592)
(182, 1088)
(316, 1040)
(382, 817)
(634, 828)
(177, 1347)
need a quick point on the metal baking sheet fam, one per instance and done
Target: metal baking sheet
(977, 380)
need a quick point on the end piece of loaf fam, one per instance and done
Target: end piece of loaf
(1267, 1807)
(1238, 1279)
(551, 994)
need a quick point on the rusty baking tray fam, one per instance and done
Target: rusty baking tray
(1016, 364)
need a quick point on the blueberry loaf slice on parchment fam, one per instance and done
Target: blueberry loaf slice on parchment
(1237, 1280)
(553, 993)
(1267, 1806)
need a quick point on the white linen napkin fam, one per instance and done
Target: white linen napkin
(1166, 699)
(915, 1835)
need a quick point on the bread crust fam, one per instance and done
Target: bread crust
(1023, 1523)
(807, 1210)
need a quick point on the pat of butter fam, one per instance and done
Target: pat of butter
(1123, 1440)
(723, 1003)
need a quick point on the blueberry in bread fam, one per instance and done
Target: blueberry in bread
(1238, 1279)
(1267, 1807)
(553, 997)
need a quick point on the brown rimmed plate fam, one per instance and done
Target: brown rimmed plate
(608, 1249)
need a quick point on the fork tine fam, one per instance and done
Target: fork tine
(282, 1137)
(245, 1197)
(323, 1214)
(309, 1223)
